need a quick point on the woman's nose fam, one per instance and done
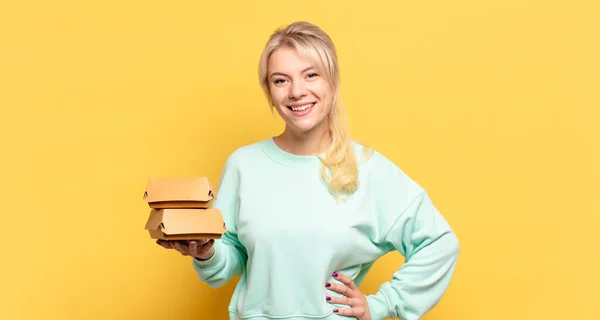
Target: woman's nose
(297, 90)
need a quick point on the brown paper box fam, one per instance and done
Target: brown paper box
(185, 192)
(181, 209)
(185, 224)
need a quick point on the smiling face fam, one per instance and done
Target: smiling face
(299, 92)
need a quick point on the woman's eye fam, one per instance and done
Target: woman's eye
(312, 75)
(278, 81)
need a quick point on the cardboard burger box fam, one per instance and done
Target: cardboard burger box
(185, 193)
(181, 209)
(185, 224)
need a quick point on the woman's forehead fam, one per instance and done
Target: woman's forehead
(289, 60)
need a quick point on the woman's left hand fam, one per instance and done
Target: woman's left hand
(357, 302)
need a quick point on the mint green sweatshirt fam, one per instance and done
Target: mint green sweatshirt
(286, 235)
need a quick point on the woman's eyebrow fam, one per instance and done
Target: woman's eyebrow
(285, 75)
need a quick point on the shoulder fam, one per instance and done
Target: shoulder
(384, 173)
(246, 154)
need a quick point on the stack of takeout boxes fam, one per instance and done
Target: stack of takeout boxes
(181, 209)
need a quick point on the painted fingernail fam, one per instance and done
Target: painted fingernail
(328, 298)
(335, 310)
(327, 284)
(335, 274)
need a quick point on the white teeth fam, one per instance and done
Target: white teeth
(304, 107)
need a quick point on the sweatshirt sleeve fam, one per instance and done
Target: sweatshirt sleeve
(230, 257)
(411, 224)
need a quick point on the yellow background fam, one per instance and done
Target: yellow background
(490, 105)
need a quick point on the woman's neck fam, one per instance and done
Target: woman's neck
(308, 143)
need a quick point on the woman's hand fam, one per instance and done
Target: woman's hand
(199, 249)
(357, 302)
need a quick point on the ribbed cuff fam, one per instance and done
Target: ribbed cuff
(211, 262)
(378, 306)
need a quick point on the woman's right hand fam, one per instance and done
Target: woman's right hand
(202, 249)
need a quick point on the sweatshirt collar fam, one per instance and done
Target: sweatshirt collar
(288, 159)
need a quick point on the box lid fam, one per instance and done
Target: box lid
(186, 221)
(178, 189)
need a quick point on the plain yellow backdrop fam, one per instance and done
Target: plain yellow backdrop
(492, 106)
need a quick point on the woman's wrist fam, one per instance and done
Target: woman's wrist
(212, 253)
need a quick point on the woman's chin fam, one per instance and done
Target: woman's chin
(303, 127)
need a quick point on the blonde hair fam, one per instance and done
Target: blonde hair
(339, 169)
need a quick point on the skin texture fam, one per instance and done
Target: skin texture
(358, 306)
(294, 80)
(199, 249)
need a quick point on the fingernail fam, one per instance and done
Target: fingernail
(328, 298)
(327, 284)
(335, 310)
(335, 274)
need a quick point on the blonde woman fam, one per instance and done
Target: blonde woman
(310, 210)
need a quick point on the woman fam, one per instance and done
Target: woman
(308, 212)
